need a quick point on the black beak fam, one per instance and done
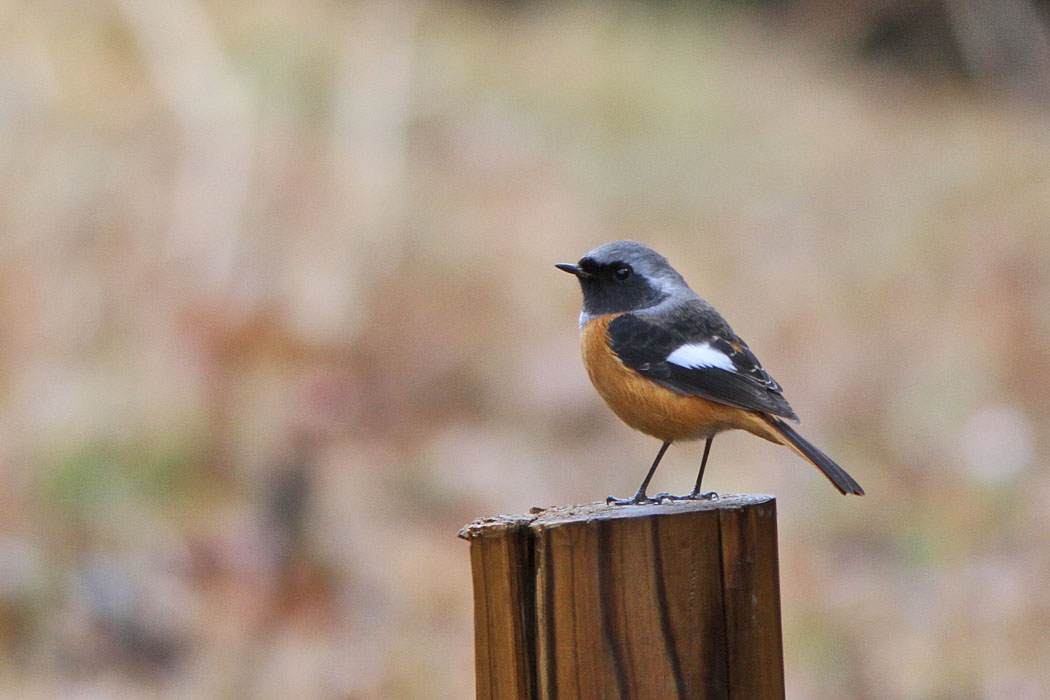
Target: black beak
(573, 270)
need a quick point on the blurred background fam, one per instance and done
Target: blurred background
(278, 315)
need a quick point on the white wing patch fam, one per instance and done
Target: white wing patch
(696, 355)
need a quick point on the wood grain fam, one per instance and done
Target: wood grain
(671, 602)
(504, 621)
(751, 586)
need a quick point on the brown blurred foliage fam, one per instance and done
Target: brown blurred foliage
(278, 315)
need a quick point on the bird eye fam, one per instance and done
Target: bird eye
(622, 273)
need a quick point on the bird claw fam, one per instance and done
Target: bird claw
(709, 496)
(638, 499)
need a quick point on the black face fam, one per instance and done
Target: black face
(614, 287)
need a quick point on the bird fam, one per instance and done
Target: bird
(669, 365)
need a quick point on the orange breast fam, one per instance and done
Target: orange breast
(649, 407)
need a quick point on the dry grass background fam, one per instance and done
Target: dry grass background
(278, 315)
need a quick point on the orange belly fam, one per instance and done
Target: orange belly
(649, 407)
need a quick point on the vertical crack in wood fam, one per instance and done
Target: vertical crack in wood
(572, 596)
(550, 636)
(605, 601)
(727, 645)
(662, 609)
(530, 582)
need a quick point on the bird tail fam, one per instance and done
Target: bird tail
(836, 474)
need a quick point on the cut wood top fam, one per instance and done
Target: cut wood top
(557, 515)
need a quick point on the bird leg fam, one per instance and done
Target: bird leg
(640, 497)
(695, 494)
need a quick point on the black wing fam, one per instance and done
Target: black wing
(734, 377)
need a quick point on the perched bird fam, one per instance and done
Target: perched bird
(670, 366)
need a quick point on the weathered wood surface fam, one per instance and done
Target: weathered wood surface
(673, 601)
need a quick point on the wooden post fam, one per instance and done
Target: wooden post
(679, 601)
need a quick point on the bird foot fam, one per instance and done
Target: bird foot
(694, 496)
(638, 499)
